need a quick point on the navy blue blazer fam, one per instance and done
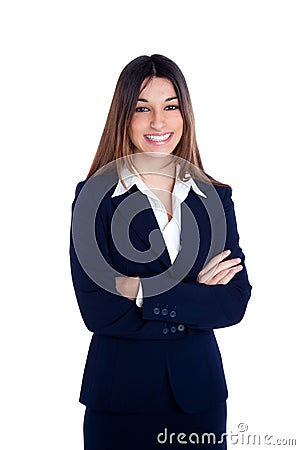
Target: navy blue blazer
(131, 347)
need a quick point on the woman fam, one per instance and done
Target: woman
(156, 266)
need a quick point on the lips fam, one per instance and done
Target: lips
(158, 138)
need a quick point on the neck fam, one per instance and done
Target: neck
(156, 172)
(154, 164)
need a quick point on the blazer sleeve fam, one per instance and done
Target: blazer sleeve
(198, 305)
(107, 312)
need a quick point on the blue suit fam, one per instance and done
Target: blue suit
(132, 347)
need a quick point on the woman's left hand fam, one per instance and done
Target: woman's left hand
(128, 286)
(217, 272)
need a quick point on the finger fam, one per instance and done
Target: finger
(228, 277)
(224, 276)
(218, 277)
(225, 265)
(215, 260)
(213, 277)
(230, 263)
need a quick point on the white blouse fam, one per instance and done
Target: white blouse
(169, 229)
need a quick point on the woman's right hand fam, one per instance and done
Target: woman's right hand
(218, 271)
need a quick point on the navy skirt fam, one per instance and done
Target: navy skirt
(166, 426)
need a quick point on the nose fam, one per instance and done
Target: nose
(157, 120)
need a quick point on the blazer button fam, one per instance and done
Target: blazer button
(156, 311)
(164, 312)
(165, 330)
(173, 313)
(173, 329)
(181, 327)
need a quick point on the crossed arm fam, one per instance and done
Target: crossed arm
(217, 298)
(215, 272)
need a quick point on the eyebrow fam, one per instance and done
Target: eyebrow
(167, 99)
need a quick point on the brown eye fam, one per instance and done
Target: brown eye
(171, 107)
(141, 109)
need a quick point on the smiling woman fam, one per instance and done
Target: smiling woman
(154, 363)
(135, 97)
(158, 126)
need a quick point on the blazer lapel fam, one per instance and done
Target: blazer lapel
(138, 213)
(208, 216)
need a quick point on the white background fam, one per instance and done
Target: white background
(60, 61)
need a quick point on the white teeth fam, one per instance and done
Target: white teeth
(164, 137)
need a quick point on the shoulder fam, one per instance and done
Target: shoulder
(210, 187)
(79, 186)
(223, 191)
(98, 188)
(221, 186)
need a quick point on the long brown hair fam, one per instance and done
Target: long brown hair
(115, 142)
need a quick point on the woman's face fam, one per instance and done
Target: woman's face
(157, 123)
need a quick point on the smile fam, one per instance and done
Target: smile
(158, 137)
